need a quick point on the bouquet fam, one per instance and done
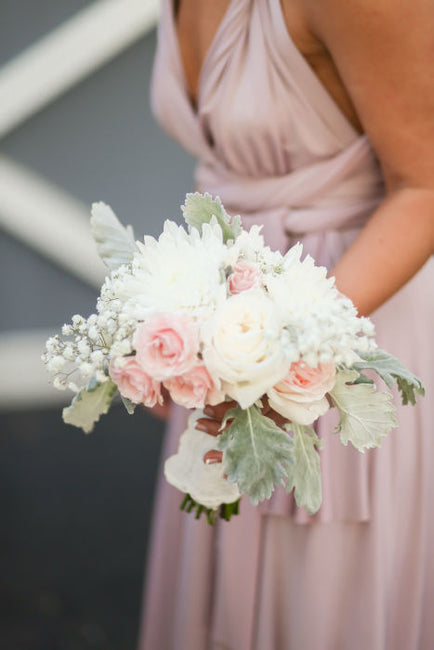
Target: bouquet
(209, 313)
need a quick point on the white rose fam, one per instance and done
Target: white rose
(300, 396)
(243, 346)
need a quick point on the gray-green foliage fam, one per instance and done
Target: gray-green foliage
(257, 453)
(366, 416)
(201, 208)
(304, 475)
(129, 405)
(114, 242)
(89, 404)
(391, 370)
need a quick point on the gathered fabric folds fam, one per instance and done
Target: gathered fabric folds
(275, 147)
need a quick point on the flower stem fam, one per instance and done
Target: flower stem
(225, 511)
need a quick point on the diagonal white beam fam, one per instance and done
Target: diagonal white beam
(50, 221)
(68, 54)
(23, 378)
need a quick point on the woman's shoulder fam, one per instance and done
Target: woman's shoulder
(383, 54)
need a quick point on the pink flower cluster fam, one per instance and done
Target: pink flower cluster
(167, 353)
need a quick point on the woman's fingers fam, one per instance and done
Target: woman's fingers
(277, 418)
(218, 411)
(213, 456)
(212, 424)
(212, 427)
(271, 413)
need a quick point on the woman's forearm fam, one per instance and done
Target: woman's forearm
(392, 247)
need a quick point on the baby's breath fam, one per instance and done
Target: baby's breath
(87, 345)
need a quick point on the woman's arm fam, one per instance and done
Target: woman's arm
(384, 52)
(392, 247)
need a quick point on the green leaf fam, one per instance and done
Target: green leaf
(305, 474)
(201, 208)
(88, 405)
(363, 379)
(366, 416)
(257, 453)
(114, 242)
(390, 370)
(225, 511)
(129, 405)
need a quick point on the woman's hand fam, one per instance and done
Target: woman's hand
(213, 422)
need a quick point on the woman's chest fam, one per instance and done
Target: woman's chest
(197, 23)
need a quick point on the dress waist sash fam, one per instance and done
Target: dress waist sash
(338, 193)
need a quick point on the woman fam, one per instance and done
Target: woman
(317, 120)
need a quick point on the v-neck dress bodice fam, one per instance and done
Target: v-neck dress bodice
(277, 149)
(269, 139)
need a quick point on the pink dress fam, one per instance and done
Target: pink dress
(359, 575)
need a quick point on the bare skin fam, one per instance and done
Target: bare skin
(197, 23)
(376, 59)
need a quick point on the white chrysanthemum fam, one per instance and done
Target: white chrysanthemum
(301, 288)
(179, 271)
(323, 325)
(249, 246)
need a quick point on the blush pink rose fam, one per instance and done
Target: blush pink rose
(194, 388)
(133, 383)
(167, 345)
(245, 275)
(301, 395)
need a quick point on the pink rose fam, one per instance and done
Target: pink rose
(133, 383)
(167, 345)
(194, 388)
(244, 276)
(301, 395)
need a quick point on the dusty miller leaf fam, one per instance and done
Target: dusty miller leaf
(366, 416)
(305, 474)
(114, 242)
(390, 370)
(89, 404)
(257, 453)
(363, 379)
(129, 405)
(200, 208)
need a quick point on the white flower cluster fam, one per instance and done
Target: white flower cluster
(210, 312)
(288, 309)
(180, 271)
(322, 324)
(86, 346)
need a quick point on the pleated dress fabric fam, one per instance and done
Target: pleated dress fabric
(358, 575)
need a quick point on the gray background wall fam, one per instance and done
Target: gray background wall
(75, 509)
